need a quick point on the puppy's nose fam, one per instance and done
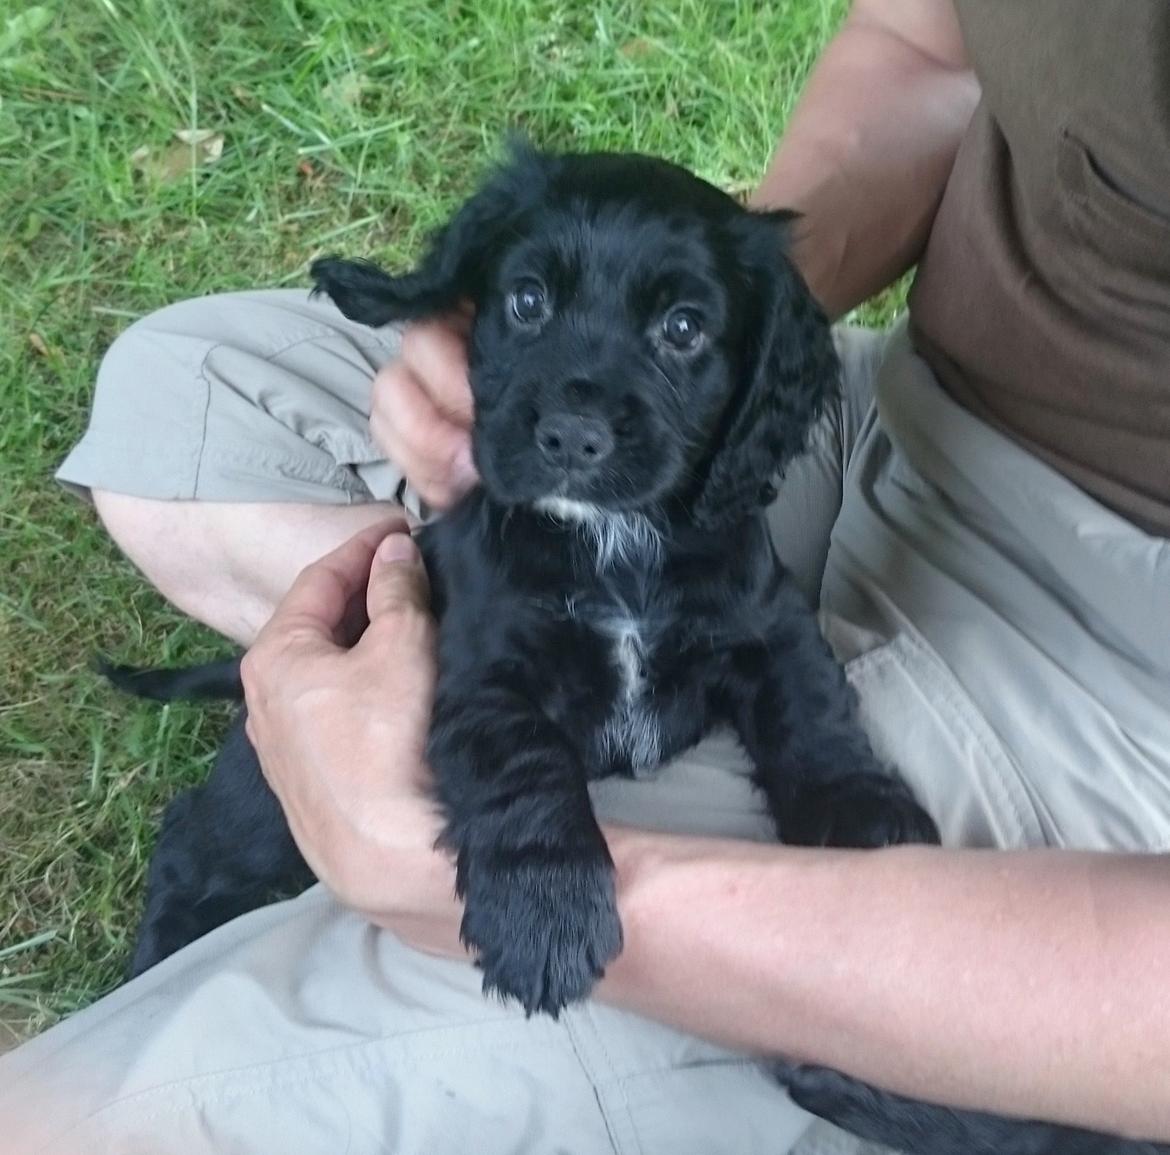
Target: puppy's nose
(573, 441)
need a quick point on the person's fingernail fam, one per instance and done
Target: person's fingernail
(398, 547)
(464, 469)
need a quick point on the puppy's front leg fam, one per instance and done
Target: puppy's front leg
(532, 866)
(797, 718)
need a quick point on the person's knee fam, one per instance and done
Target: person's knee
(179, 552)
(203, 557)
(150, 532)
(137, 524)
(151, 336)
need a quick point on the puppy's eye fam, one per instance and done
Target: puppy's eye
(529, 303)
(682, 329)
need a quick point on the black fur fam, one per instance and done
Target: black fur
(571, 650)
(224, 849)
(215, 680)
(923, 1129)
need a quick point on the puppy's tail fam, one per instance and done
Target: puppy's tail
(210, 681)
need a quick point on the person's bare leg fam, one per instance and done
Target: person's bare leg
(227, 564)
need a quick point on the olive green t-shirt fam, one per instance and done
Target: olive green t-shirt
(1042, 301)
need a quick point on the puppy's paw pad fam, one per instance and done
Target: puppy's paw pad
(543, 926)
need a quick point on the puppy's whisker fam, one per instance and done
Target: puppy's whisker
(505, 521)
(666, 377)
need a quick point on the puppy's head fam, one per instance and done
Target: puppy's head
(640, 339)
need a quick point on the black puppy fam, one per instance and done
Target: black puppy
(645, 361)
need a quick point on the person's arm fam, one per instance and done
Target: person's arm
(1026, 983)
(1029, 983)
(869, 148)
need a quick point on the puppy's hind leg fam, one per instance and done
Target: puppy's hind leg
(926, 1129)
(224, 849)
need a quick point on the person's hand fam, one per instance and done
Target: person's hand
(341, 732)
(421, 410)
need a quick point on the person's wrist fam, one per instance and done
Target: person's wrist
(419, 903)
(647, 866)
(408, 852)
(684, 903)
(381, 857)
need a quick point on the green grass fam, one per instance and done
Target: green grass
(348, 125)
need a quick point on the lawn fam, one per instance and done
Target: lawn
(306, 125)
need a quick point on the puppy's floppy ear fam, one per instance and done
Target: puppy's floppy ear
(458, 255)
(789, 374)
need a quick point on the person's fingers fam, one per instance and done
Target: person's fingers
(432, 451)
(421, 409)
(316, 606)
(398, 580)
(313, 619)
(435, 351)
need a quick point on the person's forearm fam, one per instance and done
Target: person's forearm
(1027, 983)
(870, 146)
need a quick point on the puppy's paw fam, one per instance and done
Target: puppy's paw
(543, 923)
(864, 811)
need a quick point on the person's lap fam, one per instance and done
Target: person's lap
(301, 1017)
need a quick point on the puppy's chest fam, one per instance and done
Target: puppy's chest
(630, 737)
(614, 688)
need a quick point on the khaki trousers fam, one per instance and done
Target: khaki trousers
(1009, 639)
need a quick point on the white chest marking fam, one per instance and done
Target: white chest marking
(613, 536)
(628, 539)
(632, 729)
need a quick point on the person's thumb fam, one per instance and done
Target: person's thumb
(398, 579)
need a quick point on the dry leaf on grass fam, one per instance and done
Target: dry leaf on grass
(348, 89)
(310, 173)
(633, 49)
(43, 351)
(192, 149)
